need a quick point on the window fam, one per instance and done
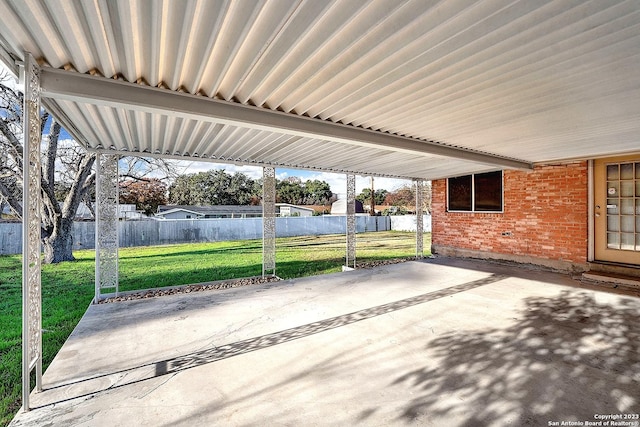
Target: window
(481, 192)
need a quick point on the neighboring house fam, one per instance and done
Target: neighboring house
(125, 212)
(573, 215)
(285, 209)
(203, 212)
(227, 211)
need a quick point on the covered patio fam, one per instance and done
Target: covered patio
(407, 89)
(437, 342)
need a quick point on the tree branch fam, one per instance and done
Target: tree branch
(14, 143)
(11, 199)
(79, 187)
(52, 149)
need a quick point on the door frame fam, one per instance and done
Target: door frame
(598, 217)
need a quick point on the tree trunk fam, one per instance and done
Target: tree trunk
(58, 246)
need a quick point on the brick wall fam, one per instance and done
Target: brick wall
(545, 212)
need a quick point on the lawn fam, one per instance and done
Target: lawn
(67, 288)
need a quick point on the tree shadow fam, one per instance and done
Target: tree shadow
(565, 358)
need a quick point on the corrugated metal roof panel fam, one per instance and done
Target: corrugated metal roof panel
(537, 81)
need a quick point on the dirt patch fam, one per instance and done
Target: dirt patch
(153, 293)
(371, 264)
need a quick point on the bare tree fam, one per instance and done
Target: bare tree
(68, 177)
(58, 217)
(405, 196)
(10, 147)
(76, 170)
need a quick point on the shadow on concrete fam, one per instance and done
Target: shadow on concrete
(174, 365)
(512, 269)
(264, 341)
(566, 358)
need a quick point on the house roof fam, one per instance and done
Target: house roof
(410, 89)
(306, 208)
(174, 210)
(211, 210)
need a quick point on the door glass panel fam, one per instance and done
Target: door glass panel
(613, 240)
(626, 189)
(627, 224)
(637, 241)
(612, 172)
(637, 170)
(626, 171)
(627, 207)
(613, 189)
(613, 223)
(612, 206)
(627, 241)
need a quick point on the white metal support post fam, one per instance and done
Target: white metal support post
(351, 222)
(268, 221)
(31, 231)
(419, 218)
(106, 224)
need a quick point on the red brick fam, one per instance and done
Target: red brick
(544, 209)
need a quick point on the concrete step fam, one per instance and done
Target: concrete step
(616, 269)
(611, 279)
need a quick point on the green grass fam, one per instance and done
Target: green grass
(67, 288)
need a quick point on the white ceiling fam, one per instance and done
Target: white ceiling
(415, 89)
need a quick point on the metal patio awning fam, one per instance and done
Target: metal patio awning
(413, 89)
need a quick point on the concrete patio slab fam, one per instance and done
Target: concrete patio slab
(434, 343)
